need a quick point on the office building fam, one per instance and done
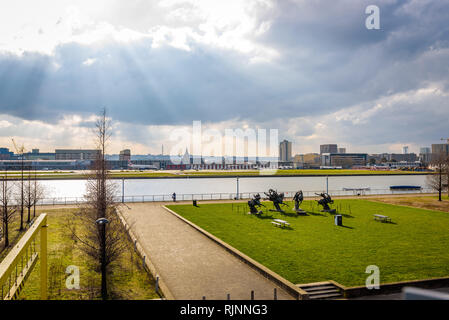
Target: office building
(344, 160)
(75, 154)
(285, 151)
(341, 150)
(5, 154)
(425, 154)
(440, 149)
(125, 155)
(35, 154)
(328, 148)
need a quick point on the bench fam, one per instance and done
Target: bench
(280, 223)
(379, 217)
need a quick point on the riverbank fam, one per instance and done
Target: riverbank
(190, 174)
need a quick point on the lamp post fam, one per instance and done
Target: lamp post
(123, 190)
(237, 195)
(102, 222)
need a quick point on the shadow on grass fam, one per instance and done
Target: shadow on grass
(348, 227)
(291, 214)
(317, 214)
(346, 215)
(263, 216)
(387, 222)
(289, 228)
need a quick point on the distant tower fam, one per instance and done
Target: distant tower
(405, 150)
(285, 151)
(186, 158)
(162, 150)
(125, 155)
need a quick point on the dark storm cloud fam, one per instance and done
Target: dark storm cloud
(327, 61)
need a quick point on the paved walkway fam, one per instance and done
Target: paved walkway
(191, 264)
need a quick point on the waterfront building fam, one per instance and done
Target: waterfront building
(285, 151)
(76, 154)
(344, 160)
(125, 155)
(328, 148)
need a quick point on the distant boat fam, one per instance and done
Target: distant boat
(405, 187)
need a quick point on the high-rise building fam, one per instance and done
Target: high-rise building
(328, 148)
(440, 149)
(125, 155)
(405, 149)
(285, 151)
(425, 154)
(341, 150)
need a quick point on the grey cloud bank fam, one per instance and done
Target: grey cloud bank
(327, 65)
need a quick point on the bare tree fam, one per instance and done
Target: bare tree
(38, 193)
(33, 193)
(437, 180)
(7, 209)
(102, 231)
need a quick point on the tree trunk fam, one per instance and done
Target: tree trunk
(440, 185)
(6, 234)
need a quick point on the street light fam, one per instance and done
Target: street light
(102, 222)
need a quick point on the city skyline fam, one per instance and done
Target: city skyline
(311, 70)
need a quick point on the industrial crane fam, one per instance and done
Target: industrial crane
(19, 150)
(447, 139)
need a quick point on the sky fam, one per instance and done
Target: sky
(309, 68)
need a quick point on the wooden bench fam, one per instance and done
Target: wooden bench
(379, 217)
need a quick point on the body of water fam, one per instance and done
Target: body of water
(189, 186)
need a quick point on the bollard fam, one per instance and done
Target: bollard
(275, 294)
(252, 294)
(229, 296)
(204, 297)
(157, 284)
(143, 262)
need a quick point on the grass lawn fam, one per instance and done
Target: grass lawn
(128, 281)
(414, 246)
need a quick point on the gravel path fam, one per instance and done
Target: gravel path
(191, 264)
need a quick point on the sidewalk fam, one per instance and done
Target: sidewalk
(191, 264)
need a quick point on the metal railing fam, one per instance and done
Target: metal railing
(20, 261)
(227, 196)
